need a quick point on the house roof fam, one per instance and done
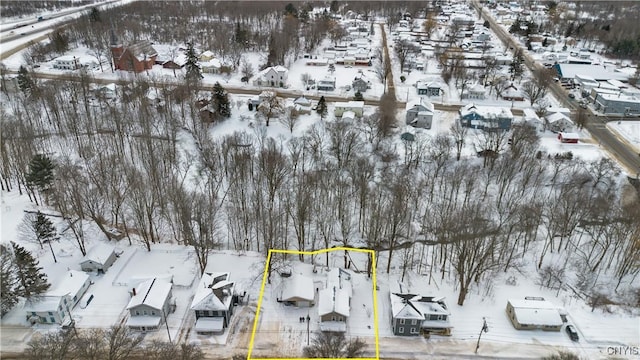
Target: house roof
(348, 115)
(297, 286)
(99, 253)
(529, 114)
(536, 312)
(332, 300)
(303, 101)
(598, 72)
(153, 293)
(206, 299)
(351, 104)
(70, 284)
(569, 135)
(209, 324)
(555, 117)
(486, 112)
(407, 305)
(43, 303)
(207, 53)
(420, 105)
(147, 321)
(142, 49)
(341, 279)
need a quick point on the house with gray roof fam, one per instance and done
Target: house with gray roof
(213, 303)
(413, 314)
(150, 304)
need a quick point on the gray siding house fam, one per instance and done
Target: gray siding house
(358, 84)
(150, 304)
(419, 114)
(213, 303)
(414, 315)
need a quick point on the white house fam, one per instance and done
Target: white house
(54, 307)
(99, 258)
(70, 62)
(475, 91)
(213, 303)
(559, 122)
(149, 305)
(334, 301)
(298, 291)
(274, 76)
(533, 313)
(356, 106)
(47, 309)
(74, 284)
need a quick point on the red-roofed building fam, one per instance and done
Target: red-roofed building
(137, 57)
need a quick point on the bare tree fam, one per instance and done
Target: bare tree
(537, 88)
(404, 49)
(459, 134)
(291, 116)
(271, 107)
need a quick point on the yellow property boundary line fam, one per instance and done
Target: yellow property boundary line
(322, 251)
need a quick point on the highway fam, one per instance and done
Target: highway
(627, 157)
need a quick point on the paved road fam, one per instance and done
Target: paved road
(619, 150)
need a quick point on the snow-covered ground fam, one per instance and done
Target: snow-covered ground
(280, 331)
(628, 130)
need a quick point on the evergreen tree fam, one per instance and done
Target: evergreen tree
(44, 229)
(334, 6)
(8, 281)
(94, 15)
(220, 101)
(24, 80)
(291, 10)
(193, 69)
(31, 280)
(59, 41)
(321, 108)
(332, 68)
(40, 175)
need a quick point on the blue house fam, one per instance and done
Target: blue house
(489, 118)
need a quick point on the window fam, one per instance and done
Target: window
(50, 313)
(153, 313)
(137, 312)
(401, 321)
(401, 330)
(144, 312)
(53, 320)
(414, 322)
(414, 331)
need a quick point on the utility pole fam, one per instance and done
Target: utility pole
(166, 324)
(308, 321)
(485, 328)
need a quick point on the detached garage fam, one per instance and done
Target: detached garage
(99, 258)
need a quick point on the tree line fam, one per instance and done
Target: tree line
(127, 168)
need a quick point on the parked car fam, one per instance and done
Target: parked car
(572, 96)
(573, 333)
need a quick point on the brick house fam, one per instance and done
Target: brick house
(137, 57)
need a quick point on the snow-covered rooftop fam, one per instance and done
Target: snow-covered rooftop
(206, 299)
(536, 312)
(486, 111)
(43, 303)
(100, 252)
(153, 293)
(70, 284)
(298, 287)
(333, 299)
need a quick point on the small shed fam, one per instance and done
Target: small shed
(99, 258)
(568, 137)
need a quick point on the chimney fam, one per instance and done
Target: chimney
(134, 291)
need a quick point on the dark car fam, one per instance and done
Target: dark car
(573, 334)
(572, 96)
